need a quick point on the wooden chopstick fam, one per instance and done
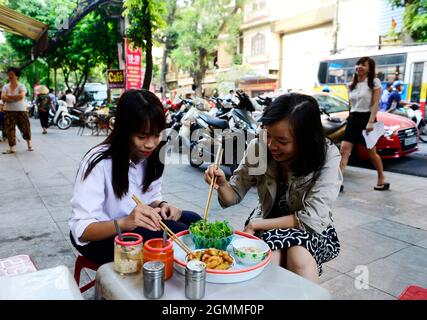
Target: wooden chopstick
(213, 182)
(175, 238)
(169, 231)
(180, 243)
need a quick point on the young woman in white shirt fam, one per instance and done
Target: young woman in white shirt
(364, 97)
(126, 163)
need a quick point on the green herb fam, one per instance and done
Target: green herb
(211, 230)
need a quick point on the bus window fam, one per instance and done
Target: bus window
(417, 79)
(323, 72)
(336, 76)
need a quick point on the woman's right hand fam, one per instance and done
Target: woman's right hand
(211, 172)
(142, 216)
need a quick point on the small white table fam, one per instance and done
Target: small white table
(48, 284)
(274, 283)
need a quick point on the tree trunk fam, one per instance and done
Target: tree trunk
(55, 80)
(149, 46)
(66, 76)
(198, 80)
(199, 75)
(163, 81)
(148, 65)
(168, 46)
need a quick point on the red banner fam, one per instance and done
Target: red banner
(133, 66)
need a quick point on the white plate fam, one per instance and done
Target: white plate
(238, 273)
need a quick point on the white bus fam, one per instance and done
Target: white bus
(408, 64)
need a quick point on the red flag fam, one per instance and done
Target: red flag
(393, 24)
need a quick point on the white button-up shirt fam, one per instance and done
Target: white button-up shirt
(361, 96)
(94, 199)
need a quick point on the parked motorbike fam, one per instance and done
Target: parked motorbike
(83, 114)
(60, 118)
(238, 122)
(413, 112)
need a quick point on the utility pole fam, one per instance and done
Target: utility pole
(336, 28)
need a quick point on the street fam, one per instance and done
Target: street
(384, 233)
(412, 164)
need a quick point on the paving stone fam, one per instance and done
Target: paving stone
(393, 277)
(422, 244)
(328, 273)
(349, 218)
(397, 231)
(343, 288)
(415, 218)
(25, 217)
(361, 247)
(13, 201)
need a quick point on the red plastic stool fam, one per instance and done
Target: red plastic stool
(82, 262)
(413, 293)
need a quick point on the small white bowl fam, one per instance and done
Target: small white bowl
(244, 254)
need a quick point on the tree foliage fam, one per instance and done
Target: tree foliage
(198, 27)
(146, 17)
(415, 18)
(93, 42)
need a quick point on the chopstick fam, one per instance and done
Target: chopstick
(213, 182)
(178, 241)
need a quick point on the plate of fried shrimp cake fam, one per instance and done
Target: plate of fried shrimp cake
(214, 259)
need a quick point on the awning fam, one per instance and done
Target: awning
(18, 23)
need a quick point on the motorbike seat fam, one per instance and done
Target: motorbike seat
(332, 125)
(215, 122)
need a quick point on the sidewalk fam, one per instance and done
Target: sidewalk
(385, 231)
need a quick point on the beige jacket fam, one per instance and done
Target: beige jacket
(311, 199)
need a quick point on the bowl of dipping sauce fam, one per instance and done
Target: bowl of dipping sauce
(250, 251)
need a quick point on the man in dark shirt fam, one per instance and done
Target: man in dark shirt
(395, 104)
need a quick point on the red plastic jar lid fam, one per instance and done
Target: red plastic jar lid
(147, 245)
(138, 240)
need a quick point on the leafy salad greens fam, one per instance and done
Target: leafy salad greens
(211, 230)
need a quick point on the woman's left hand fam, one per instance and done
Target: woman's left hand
(169, 212)
(370, 127)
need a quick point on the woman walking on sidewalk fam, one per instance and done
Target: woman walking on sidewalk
(15, 107)
(44, 104)
(365, 94)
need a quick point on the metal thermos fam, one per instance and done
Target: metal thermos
(154, 279)
(195, 280)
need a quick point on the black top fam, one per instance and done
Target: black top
(280, 207)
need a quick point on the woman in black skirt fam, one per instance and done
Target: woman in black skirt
(364, 97)
(296, 172)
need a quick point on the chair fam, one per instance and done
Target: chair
(413, 293)
(82, 262)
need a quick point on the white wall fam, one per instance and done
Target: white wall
(359, 24)
(271, 58)
(302, 52)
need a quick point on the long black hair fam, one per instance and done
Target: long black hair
(371, 73)
(138, 111)
(303, 113)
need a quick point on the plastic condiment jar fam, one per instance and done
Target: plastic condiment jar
(128, 253)
(154, 251)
